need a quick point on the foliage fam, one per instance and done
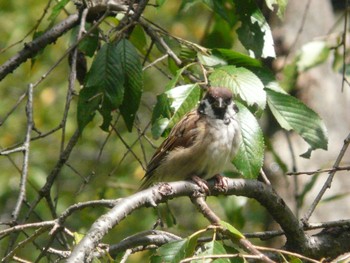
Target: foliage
(150, 77)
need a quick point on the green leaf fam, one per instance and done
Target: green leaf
(211, 248)
(236, 58)
(183, 99)
(250, 156)
(178, 250)
(234, 231)
(90, 43)
(172, 83)
(160, 2)
(220, 35)
(139, 40)
(292, 114)
(290, 76)
(88, 102)
(223, 10)
(133, 81)
(172, 106)
(211, 60)
(312, 54)
(280, 5)
(161, 115)
(242, 82)
(57, 9)
(254, 33)
(106, 73)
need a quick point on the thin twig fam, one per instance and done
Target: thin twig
(203, 207)
(345, 44)
(281, 251)
(20, 99)
(26, 145)
(328, 182)
(128, 147)
(37, 233)
(155, 62)
(72, 77)
(141, 134)
(220, 256)
(340, 168)
(295, 179)
(32, 48)
(34, 28)
(45, 190)
(300, 30)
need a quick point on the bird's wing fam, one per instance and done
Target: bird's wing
(183, 135)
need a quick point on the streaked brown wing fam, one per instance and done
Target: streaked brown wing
(183, 134)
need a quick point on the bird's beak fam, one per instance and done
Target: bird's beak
(221, 103)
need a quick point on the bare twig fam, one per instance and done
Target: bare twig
(203, 207)
(345, 31)
(26, 145)
(128, 147)
(281, 251)
(72, 76)
(45, 190)
(328, 182)
(37, 233)
(155, 62)
(34, 28)
(339, 168)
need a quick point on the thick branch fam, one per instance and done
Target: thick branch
(297, 240)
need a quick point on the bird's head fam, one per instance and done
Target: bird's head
(217, 102)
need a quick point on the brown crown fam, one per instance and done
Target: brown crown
(218, 92)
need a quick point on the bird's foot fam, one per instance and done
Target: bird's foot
(221, 183)
(203, 184)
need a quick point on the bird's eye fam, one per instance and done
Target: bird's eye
(211, 100)
(228, 101)
(235, 108)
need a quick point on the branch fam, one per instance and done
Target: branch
(26, 145)
(215, 220)
(32, 48)
(296, 238)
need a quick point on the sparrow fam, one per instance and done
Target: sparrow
(200, 144)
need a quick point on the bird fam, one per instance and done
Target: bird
(200, 144)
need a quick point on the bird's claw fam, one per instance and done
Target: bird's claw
(203, 184)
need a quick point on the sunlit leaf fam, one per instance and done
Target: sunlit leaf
(211, 60)
(312, 54)
(179, 101)
(280, 5)
(211, 248)
(235, 232)
(292, 114)
(254, 33)
(177, 250)
(236, 58)
(242, 82)
(250, 156)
